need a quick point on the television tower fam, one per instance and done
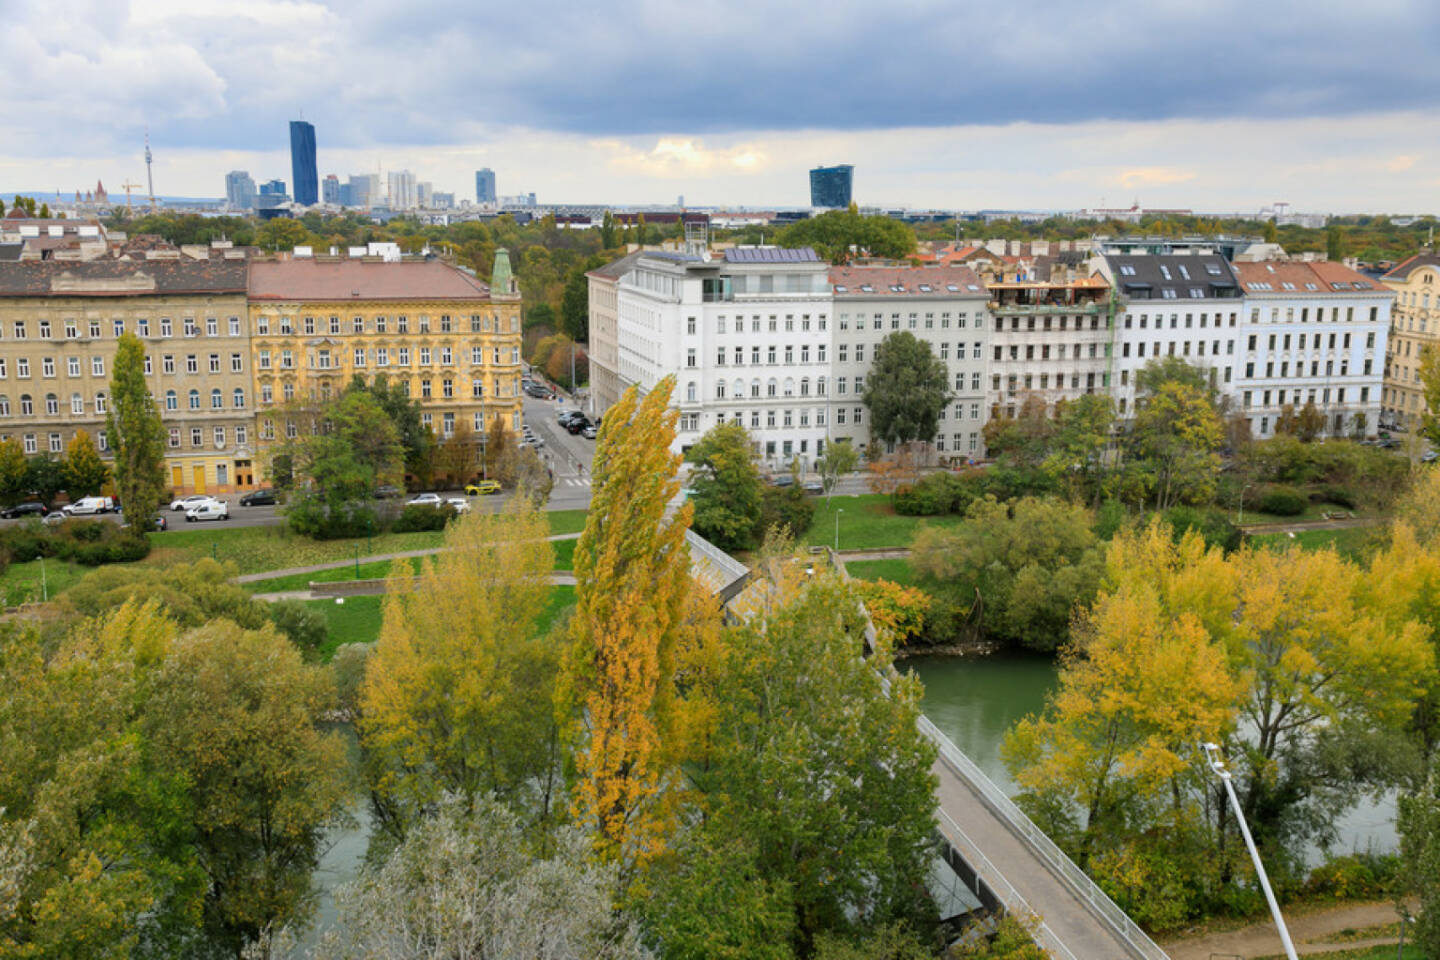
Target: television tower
(149, 177)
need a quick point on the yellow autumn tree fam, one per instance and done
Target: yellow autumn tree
(458, 694)
(632, 576)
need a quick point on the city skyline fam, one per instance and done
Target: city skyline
(1264, 114)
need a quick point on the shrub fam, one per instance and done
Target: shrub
(1340, 496)
(787, 507)
(305, 626)
(1357, 876)
(1109, 518)
(1214, 527)
(314, 518)
(421, 516)
(1283, 502)
(90, 542)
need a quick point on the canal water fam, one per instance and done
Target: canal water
(976, 700)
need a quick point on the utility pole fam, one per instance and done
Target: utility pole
(1212, 756)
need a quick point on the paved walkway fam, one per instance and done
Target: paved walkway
(1304, 525)
(879, 553)
(1055, 901)
(1308, 932)
(377, 558)
(375, 588)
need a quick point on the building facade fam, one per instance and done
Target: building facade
(832, 186)
(747, 336)
(239, 190)
(1415, 324)
(402, 190)
(485, 186)
(1311, 332)
(304, 172)
(1050, 338)
(60, 323)
(606, 385)
(947, 307)
(449, 340)
(330, 189)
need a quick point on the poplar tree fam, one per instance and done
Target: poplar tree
(133, 426)
(632, 576)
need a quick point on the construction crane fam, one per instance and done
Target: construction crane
(127, 186)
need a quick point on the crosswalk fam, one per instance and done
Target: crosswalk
(572, 481)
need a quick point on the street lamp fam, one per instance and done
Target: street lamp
(1212, 757)
(838, 511)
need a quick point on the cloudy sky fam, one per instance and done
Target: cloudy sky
(1224, 105)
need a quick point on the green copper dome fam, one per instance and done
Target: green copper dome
(502, 280)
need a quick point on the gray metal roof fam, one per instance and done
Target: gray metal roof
(771, 255)
(1186, 277)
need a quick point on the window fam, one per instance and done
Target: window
(194, 399)
(217, 399)
(424, 356)
(100, 405)
(97, 366)
(72, 366)
(214, 363)
(192, 363)
(447, 387)
(52, 405)
(167, 328)
(197, 437)
(118, 328)
(27, 406)
(77, 404)
(47, 366)
(4, 406)
(19, 329)
(425, 388)
(30, 446)
(402, 356)
(690, 357)
(220, 441)
(309, 326)
(44, 329)
(55, 445)
(234, 323)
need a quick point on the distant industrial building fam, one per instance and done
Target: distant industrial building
(240, 190)
(485, 186)
(302, 163)
(831, 186)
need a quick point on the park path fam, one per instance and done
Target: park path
(375, 588)
(1261, 940)
(377, 558)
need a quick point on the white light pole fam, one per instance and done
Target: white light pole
(1212, 756)
(838, 511)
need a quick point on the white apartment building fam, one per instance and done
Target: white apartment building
(943, 306)
(1311, 333)
(747, 336)
(1182, 305)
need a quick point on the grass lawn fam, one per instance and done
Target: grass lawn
(357, 620)
(867, 521)
(1352, 542)
(896, 569)
(21, 582)
(256, 549)
(564, 559)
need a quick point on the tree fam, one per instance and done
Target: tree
(840, 234)
(46, 477)
(1176, 435)
(85, 472)
(132, 424)
(1418, 823)
(457, 694)
(1150, 378)
(1430, 379)
(458, 455)
(1335, 246)
(906, 390)
(468, 882)
(575, 304)
(357, 449)
(898, 612)
(1077, 447)
(281, 233)
(13, 472)
(1022, 440)
(632, 573)
(1015, 571)
(839, 459)
(608, 233)
(1270, 232)
(417, 440)
(726, 488)
(787, 769)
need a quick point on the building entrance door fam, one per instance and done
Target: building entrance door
(199, 479)
(177, 479)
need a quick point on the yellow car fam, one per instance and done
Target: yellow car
(484, 486)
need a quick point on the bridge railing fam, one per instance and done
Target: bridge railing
(1097, 900)
(1014, 901)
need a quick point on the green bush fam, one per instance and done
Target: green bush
(786, 507)
(421, 516)
(1214, 527)
(1283, 502)
(1340, 496)
(303, 624)
(89, 542)
(1356, 876)
(312, 517)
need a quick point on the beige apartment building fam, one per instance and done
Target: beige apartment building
(606, 384)
(450, 340)
(1414, 325)
(60, 323)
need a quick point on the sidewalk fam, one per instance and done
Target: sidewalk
(375, 588)
(337, 564)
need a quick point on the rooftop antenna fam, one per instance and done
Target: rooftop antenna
(149, 177)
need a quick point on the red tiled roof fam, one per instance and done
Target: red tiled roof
(1401, 271)
(361, 280)
(1315, 279)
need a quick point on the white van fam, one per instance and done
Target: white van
(89, 505)
(209, 510)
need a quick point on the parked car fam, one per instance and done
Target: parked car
(460, 504)
(537, 391)
(782, 480)
(482, 487)
(1429, 456)
(55, 518)
(563, 416)
(814, 486)
(387, 491)
(425, 500)
(590, 432)
(211, 510)
(30, 508)
(159, 524)
(194, 500)
(89, 505)
(258, 498)
(576, 424)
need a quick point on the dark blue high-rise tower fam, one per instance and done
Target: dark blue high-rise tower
(306, 175)
(830, 186)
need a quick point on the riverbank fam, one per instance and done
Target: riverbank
(1316, 929)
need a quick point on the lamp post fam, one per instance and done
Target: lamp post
(838, 511)
(1240, 505)
(1212, 757)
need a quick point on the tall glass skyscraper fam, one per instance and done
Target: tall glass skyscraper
(830, 186)
(306, 175)
(485, 186)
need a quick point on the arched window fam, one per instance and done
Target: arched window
(77, 404)
(27, 406)
(194, 399)
(217, 399)
(52, 405)
(690, 392)
(820, 387)
(171, 401)
(789, 386)
(100, 402)
(239, 398)
(739, 389)
(4, 406)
